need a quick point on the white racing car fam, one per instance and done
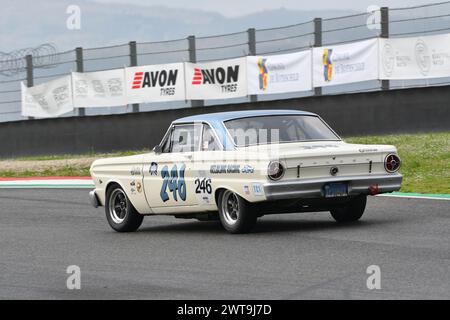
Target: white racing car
(238, 166)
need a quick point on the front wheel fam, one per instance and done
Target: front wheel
(236, 214)
(120, 213)
(351, 211)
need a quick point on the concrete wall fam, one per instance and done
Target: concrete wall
(394, 111)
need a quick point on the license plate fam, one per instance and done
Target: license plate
(332, 190)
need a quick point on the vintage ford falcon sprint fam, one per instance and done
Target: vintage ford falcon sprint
(238, 166)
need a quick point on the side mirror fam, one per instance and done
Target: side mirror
(157, 149)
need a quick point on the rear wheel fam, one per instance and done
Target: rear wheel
(120, 213)
(236, 214)
(351, 211)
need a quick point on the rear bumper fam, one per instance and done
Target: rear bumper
(313, 188)
(94, 199)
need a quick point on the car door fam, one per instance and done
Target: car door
(169, 176)
(210, 153)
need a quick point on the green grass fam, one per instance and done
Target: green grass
(77, 156)
(425, 161)
(62, 172)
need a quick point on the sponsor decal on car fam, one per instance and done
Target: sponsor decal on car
(247, 169)
(203, 188)
(225, 168)
(173, 181)
(133, 187)
(153, 169)
(139, 187)
(135, 171)
(257, 189)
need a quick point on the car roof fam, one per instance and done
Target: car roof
(216, 120)
(231, 115)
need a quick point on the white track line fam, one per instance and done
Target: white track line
(412, 196)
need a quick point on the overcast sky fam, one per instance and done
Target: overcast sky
(234, 8)
(30, 23)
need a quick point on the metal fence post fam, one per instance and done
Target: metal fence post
(251, 32)
(133, 63)
(317, 43)
(193, 59)
(384, 34)
(30, 81)
(80, 68)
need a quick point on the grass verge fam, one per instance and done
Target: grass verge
(58, 172)
(425, 161)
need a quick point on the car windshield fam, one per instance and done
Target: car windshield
(278, 129)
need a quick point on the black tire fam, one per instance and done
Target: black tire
(351, 211)
(120, 213)
(236, 214)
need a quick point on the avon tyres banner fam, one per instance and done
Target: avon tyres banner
(216, 80)
(99, 89)
(163, 82)
(50, 99)
(345, 63)
(415, 58)
(279, 73)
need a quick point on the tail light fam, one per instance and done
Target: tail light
(275, 170)
(392, 163)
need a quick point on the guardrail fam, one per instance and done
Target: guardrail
(38, 65)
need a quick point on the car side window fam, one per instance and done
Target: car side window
(209, 142)
(165, 148)
(185, 138)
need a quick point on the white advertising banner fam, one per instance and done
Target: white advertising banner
(164, 82)
(415, 58)
(99, 89)
(46, 100)
(216, 80)
(345, 63)
(279, 73)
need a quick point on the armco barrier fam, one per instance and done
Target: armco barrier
(380, 112)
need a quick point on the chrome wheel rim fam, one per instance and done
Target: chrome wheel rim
(230, 207)
(118, 206)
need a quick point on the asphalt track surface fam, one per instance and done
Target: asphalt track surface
(294, 256)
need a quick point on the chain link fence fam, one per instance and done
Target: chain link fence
(35, 66)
